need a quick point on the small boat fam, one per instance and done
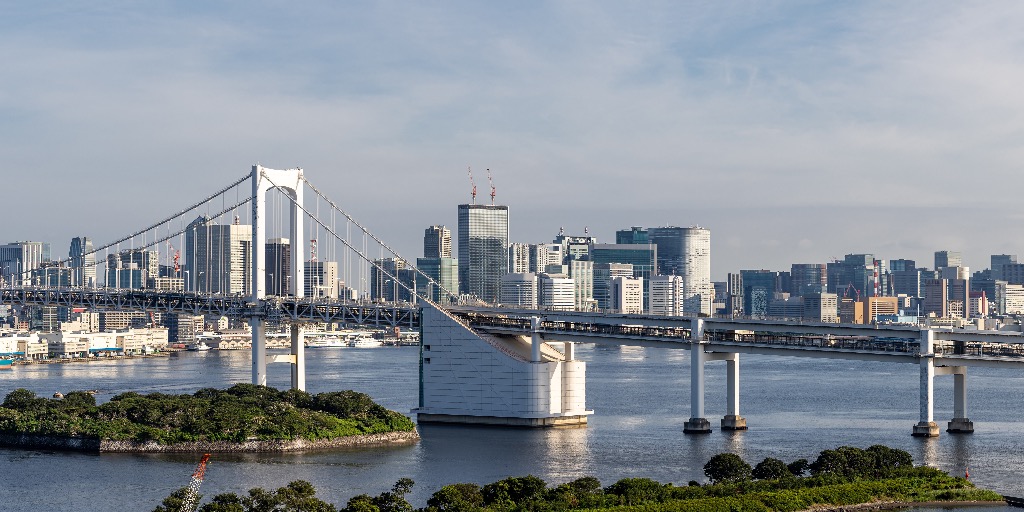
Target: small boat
(199, 346)
(364, 341)
(5, 364)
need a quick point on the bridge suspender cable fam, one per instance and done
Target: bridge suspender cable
(330, 230)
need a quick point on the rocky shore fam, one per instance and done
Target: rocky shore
(80, 444)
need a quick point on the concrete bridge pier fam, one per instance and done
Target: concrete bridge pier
(732, 419)
(697, 424)
(927, 427)
(960, 424)
(259, 351)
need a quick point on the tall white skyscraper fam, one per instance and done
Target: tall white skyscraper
(19, 259)
(686, 252)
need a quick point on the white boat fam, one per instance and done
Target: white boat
(364, 341)
(199, 346)
(326, 342)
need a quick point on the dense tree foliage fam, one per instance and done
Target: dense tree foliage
(239, 413)
(727, 467)
(789, 492)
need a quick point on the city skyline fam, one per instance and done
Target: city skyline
(795, 132)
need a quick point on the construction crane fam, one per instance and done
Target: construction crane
(846, 292)
(472, 183)
(191, 501)
(491, 183)
(176, 258)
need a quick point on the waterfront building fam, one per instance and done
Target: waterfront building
(603, 274)
(627, 295)
(437, 242)
(321, 279)
(218, 257)
(667, 295)
(948, 259)
(821, 307)
(556, 292)
(19, 259)
(445, 272)
(806, 278)
(83, 262)
(278, 261)
(483, 249)
(519, 289)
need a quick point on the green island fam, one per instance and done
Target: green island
(243, 417)
(846, 477)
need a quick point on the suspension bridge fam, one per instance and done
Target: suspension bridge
(479, 363)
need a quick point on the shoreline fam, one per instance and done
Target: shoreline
(98, 446)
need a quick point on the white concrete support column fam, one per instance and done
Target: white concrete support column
(732, 419)
(259, 351)
(536, 339)
(926, 426)
(299, 358)
(569, 350)
(697, 424)
(960, 424)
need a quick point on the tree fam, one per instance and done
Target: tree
(457, 498)
(361, 503)
(845, 461)
(771, 469)
(515, 490)
(300, 496)
(633, 491)
(395, 501)
(886, 460)
(227, 502)
(727, 467)
(798, 467)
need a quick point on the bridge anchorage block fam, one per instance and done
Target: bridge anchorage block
(734, 422)
(926, 429)
(697, 426)
(960, 426)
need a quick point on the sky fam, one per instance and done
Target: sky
(796, 132)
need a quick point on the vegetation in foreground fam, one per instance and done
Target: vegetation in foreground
(239, 413)
(844, 476)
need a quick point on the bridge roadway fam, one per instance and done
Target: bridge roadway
(271, 309)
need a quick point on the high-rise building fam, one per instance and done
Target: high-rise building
(582, 273)
(518, 258)
(384, 279)
(445, 272)
(643, 258)
(556, 292)
(19, 259)
(519, 289)
(483, 249)
(936, 297)
(633, 235)
(278, 261)
(808, 278)
(218, 257)
(542, 255)
(758, 291)
(131, 268)
(321, 279)
(627, 295)
(437, 242)
(821, 307)
(667, 295)
(686, 252)
(603, 275)
(83, 262)
(948, 259)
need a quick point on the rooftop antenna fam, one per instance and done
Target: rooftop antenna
(473, 183)
(491, 183)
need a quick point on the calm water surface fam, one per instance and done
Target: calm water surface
(795, 408)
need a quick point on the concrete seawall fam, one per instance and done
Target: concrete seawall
(107, 446)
